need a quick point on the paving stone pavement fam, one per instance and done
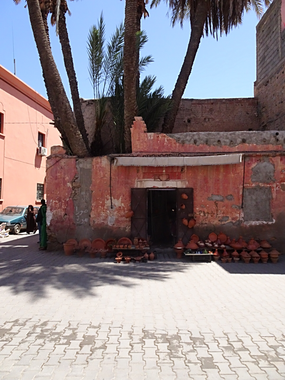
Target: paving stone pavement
(81, 318)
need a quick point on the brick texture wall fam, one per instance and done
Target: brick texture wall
(209, 115)
(270, 84)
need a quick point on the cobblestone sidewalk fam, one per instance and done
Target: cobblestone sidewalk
(81, 318)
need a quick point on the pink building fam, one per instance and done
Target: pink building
(26, 135)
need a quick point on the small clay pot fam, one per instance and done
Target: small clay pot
(179, 244)
(127, 259)
(129, 214)
(185, 221)
(191, 223)
(118, 259)
(184, 196)
(151, 256)
(68, 249)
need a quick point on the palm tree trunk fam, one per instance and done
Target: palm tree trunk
(68, 62)
(130, 70)
(64, 118)
(197, 27)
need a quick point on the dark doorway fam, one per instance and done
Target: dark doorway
(162, 216)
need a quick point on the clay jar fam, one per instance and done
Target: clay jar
(68, 249)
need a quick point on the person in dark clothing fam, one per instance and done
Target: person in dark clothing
(43, 223)
(31, 220)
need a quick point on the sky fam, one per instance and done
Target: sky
(223, 69)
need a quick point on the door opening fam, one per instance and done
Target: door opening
(162, 216)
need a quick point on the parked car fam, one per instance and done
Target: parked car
(14, 217)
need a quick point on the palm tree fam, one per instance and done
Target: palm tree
(68, 62)
(63, 116)
(134, 10)
(106, 71)
(209, 17)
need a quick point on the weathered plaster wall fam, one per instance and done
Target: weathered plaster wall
(204, 142)
(231, 198)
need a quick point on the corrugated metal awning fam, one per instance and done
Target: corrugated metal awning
(226, 159)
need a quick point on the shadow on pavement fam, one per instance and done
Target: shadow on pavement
(251, 268)
(24, 268)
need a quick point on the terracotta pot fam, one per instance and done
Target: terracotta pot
(129, 214)
(263, 256)
(68, 249)
(179, 244)
(242, 242)
(274, 256)
(191, 223)
(184, 196)
(235, 254)
(224, 259)
(222, 237)
(264, 244)
(127, 259)
(225, 253)
(185, 221)
(213, 237)
(182, 206)
(151, 256)
(236, 245)
(246, 259)
(72, 241)
(118, 259)
(191, 245)
(146, 256)
(195, 238)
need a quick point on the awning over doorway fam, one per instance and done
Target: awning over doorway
(226, 159)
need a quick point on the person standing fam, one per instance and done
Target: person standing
(39, 219)
(31, 220)
(43, 236)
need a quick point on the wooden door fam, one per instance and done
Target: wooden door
(139, 218)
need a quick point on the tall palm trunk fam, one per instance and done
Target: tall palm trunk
(68, 62)
(64, 118)
(197, 27)
(130, 70)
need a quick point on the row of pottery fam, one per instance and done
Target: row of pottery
(100, 246)
(246, 257)
(222, 240)
(127, 259)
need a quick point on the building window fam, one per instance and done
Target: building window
(1, 122)
(40, 191)
(0, 188)
(41, 139)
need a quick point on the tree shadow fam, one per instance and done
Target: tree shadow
(26, 269)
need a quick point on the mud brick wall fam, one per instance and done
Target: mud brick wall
(209, 115)
(270, 83)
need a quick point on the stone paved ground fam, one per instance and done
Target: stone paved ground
(81, 318)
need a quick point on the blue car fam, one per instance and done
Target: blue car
(15, 217)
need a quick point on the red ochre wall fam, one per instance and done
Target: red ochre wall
(218, 197)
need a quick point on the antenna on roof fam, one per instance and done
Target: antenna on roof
(14, 60)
